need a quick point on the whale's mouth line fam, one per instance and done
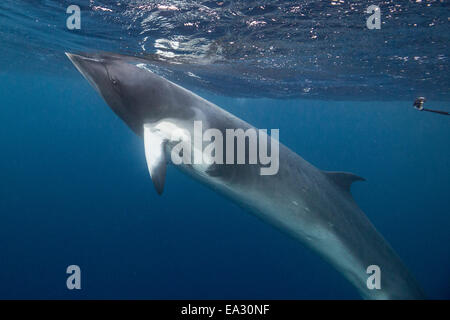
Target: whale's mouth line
(71, 55)
(73, 58)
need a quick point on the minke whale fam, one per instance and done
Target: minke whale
(313, 206)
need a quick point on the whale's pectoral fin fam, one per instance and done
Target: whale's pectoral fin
(343, 179)
(155, 156)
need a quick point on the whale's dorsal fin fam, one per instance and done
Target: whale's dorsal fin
(343, 179)
(156, 160)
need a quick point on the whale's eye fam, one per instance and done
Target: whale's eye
(115, 84)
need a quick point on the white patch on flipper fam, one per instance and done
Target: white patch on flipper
(155, 156)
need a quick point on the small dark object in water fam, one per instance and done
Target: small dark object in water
(418, 104)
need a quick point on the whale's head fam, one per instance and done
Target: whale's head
(134, 93)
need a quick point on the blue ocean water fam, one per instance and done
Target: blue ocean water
(74, 186)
